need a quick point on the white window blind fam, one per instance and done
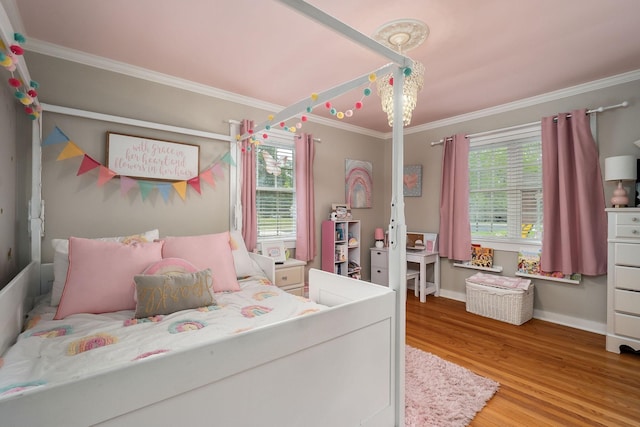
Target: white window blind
(275, 190)
(505, 182)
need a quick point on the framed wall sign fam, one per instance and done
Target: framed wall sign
(139, 157)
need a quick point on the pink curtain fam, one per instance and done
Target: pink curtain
(248, 189)
(575, 223)
(455, 230)
(305, 198)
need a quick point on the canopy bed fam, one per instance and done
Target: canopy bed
(341, 364)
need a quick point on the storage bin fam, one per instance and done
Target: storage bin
(513, 306)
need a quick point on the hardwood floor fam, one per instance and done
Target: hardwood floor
(549, 375)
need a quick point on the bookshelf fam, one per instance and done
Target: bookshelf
(341, 247)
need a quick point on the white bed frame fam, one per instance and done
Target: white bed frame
(343, 366)
(331, 368)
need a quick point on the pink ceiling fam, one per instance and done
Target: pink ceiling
(479, 54)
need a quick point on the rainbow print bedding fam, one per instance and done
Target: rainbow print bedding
(52, 351)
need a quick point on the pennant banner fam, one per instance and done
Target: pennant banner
(209, 175)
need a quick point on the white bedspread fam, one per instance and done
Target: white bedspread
(51, 351)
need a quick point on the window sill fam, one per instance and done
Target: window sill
(552, 279)
(496, 269)
(507, 246)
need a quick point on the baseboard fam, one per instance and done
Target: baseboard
(560, 319)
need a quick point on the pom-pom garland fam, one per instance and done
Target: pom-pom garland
(26, 94)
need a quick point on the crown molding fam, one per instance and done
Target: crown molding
(50, 49)
(528, 102)
(73, 55)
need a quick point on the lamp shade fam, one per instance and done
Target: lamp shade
(620, 168)
(379, 234)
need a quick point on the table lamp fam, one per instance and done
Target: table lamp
(379, 236)
(620, 168)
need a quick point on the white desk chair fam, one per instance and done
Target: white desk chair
(415, 275)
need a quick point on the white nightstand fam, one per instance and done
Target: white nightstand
(290, 276)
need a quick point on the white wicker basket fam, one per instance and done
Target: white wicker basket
(508, 305)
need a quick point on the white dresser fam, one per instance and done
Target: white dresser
(623, 279)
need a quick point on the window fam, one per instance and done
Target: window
(505, 185)
(276, 190)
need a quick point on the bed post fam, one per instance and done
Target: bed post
(398, 240)
(36, 205)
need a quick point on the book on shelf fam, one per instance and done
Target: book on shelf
(529, 263)
(341, 253)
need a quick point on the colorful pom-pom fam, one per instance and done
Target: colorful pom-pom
(327, 105)
(6, 62)
(372, 77)
(26, 100)
(238, 137)
(34, 84)
(348, 113)
(309, 109)
(250, 131)
(28, 110)
(281, 124)
(270, 117)
(268, 127)
(390, 81)
(19, 94)
(314, 96)
(292, 129)
(13, 82)
(265, 135)
(333, 111)
(407, 71)
(303, 118)
(19, 38)
(32, 93)
(358, 105)
(340, 115)
(299, 125)
(366, 91)
(16, 49)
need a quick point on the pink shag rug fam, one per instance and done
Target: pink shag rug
(440, 393)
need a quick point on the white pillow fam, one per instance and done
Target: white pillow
(61, 258)
(245, 265)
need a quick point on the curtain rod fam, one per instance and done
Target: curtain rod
(475, 135)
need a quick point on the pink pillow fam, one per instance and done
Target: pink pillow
(100, 275)
(207, 251)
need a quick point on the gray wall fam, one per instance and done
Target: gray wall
(583, 304)
(8, 143)
(76, 206)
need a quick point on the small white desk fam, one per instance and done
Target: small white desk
(380, 269)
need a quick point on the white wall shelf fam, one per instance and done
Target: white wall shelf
(552, 279)
(494, 269)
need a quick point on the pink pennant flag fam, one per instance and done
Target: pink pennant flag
(126, 184)
(87, 164)
(195, 183)
(207, 176)
(105, 175)
(217, 170)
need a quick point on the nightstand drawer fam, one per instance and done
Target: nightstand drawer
(379, 259)
(627, 302)
(380, 276)
(627, 278)
(627, 254)
(632, 231)
(626, 325)
(289, 276)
